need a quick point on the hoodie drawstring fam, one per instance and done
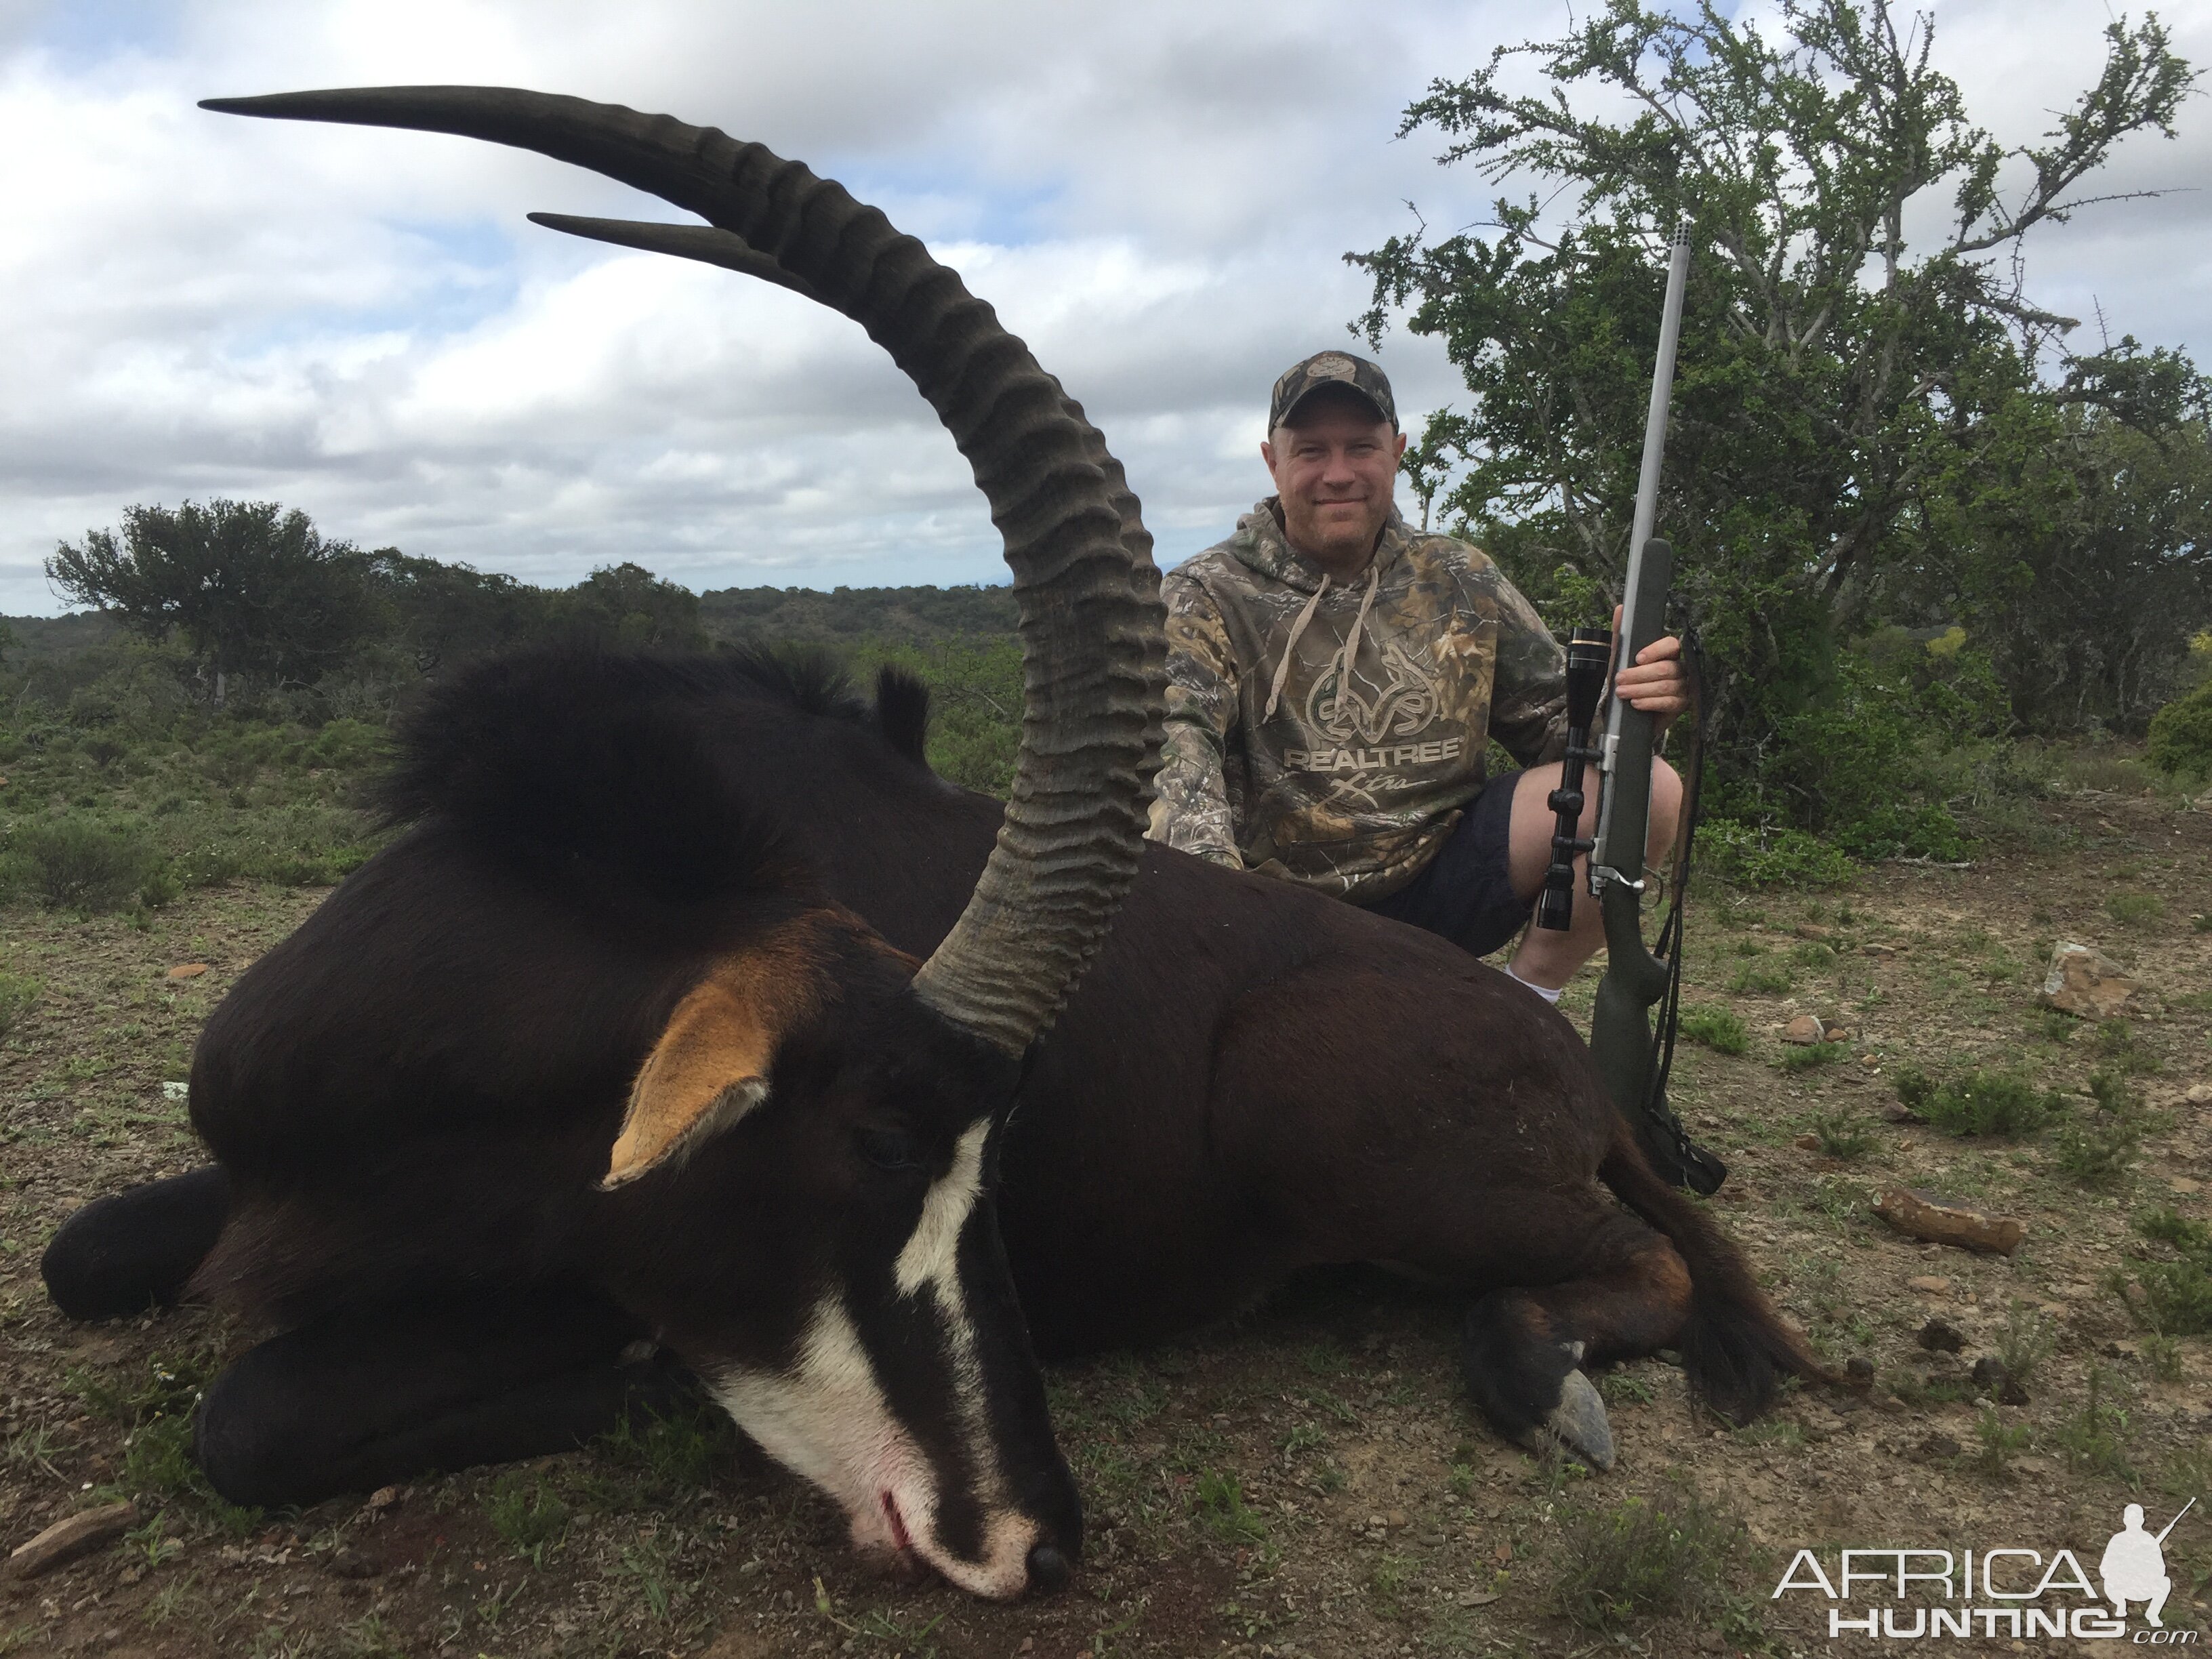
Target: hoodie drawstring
(1344, 660)
(1283, 668)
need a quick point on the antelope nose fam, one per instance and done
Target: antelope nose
(1048, 1569)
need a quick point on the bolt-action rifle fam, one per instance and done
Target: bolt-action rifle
(1633, 1063)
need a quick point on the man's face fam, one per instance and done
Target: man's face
(1335, 465)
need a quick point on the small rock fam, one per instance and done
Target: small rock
(1476, 1598)
(1939, 1337)
(1028, 1645)
(2200, 1094)
(1924, 1215)
(1812, 930)
(1808, 1142)
(1929, 1284)
(1503, 1554)
(1858, 1372)
(1804, 1031)
(188, 970)
(1836, 1034)
(1396, 1520)
(2085, 983)
(176, 1091)
(350, 1562)
(1993, 1379)
(1711, 1641)
(69, 1538)
(1879, 952)
(2184, 1185)
(1935, 1447)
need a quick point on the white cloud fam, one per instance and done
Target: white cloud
(1155, 194)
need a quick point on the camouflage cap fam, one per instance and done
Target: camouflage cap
(1327, 368)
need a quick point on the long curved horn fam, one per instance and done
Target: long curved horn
(1090, 620)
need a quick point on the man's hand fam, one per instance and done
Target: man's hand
(1655, 683)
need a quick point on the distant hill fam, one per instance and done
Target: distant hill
(47, 639)
(733, 615)
(917, 614)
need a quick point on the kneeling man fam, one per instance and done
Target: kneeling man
(1334, 676)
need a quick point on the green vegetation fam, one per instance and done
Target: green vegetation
(1217, 1498)
(2173, 1297)
(1719, 1029)
(1761, 979)
(17, 993)
(1981, 1102)
(1841, 1135)
(2001, 1442)
(1809, 1056)
(2181, 735)
(155, 1409)
(2094, 1438)
(1677, 1555)
(658, 1460)
(2025, 1343)
(525, 1512)
(2019, 544)
(75, 864)
(2134, 909)
(2101, 1153)
(2117, 1042)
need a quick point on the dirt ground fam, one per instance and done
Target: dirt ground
(1311, 1481)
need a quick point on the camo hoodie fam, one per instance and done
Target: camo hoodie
(1331, 733)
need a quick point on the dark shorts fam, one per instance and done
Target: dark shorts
(1467, 893)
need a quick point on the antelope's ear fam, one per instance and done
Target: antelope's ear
(708, 1069)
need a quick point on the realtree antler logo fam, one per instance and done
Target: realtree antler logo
(2011, 1591)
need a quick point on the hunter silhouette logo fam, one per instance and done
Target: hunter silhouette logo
(1353, 705)
(1907, 1594)
(2134, 1567)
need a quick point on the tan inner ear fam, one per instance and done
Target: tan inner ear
(710, 1067)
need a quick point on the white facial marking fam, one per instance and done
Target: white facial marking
(931, 1255)
(826, 1418)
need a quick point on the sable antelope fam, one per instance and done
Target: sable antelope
(674, 907)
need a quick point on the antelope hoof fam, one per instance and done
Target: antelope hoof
(1579, 1422)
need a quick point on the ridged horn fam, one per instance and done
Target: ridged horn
(1090, 620)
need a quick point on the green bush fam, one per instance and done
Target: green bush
(1982, 1102)
(1805, 1057)
(1843, 1136)
(1761, 979)
(2181, 735)
(527, 1513)
(1674, 1555)
(74, 865)
(1755, 856)
(17, 993)
(2102, 1151)
(1719, 1029)
(2132, 910)
(2177, 1295)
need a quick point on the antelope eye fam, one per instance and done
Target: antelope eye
(889, 1149)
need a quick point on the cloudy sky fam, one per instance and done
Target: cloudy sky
(362, 324)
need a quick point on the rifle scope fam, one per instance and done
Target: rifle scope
(1590, 656)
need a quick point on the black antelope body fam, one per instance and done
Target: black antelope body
(691, 1008)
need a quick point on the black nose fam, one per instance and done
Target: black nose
(1048, 1569)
